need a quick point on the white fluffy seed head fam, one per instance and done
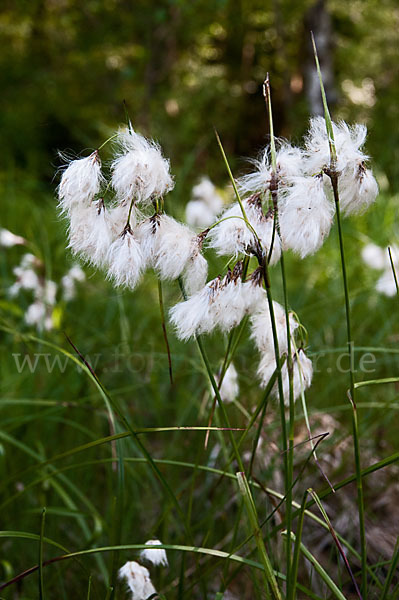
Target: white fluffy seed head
(348, 144)
(167, 246)
(358, 189)
(125, 260)
(258, 181)
(229, 389)
(386, 284)
(27, 279)
(99, 237)
(195, 273)
(175, 244)
(81, 218)
(261, 328)
(76, 273)
(156, 556)
(301, 379)
(199, 214)
(138, 579)
(140, 172)
(199, 313)
(80, 182)
(9, 239)
(233, 236)
(305, 215)
(375, 257)
(289, 163)
(205, 192)
(36, 314)
(47, 293)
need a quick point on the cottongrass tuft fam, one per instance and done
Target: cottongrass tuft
(305, 215)
(138, 579)
(81, 181)
(156, 556)
(125, 260)
(140, 171)
(9, 239)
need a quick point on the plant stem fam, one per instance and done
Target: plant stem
(355, 430)
(41, 586)
(165, 334)
(288, 459)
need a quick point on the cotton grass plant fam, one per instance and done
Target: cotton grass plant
(118, 222)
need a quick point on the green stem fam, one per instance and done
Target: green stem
(355, 429)
(272, 588)
(165, 334)
(219, 399)
(41, 586)
(333, 175)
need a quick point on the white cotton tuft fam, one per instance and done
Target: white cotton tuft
(100, 236)
(174, 246)
(47, 293)
(261, 328)
(358, 189)
(30, 260)
(375, 257)
(199, 214)
(140, 172)
(76, 273)
(156, 556)
(69, 280)
(257, 182)
(80, 182)
(232, 302)
(27, 279)
(125, 260)
(386, 284)
(305, 215)
(229, 390)
(9, 239)
(206, 192)
(36, 314)
(167, 245)
(80, 224)
(199, 313)
(233, 236)
(195, 273)
(302, 374)
(289, 162)
(138, 579)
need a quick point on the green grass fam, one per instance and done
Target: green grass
(58, 446)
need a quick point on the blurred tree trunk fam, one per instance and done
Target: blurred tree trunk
(318, 20)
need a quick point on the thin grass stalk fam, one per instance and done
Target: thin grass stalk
(41, 585)
(165, 333)
(319, 569)
(297, 549)
(89, 589)
(118, 517)
(333, 175)
(289, 461)
(393, 270)
(219, 399)
(336, 540)
(392, 568)
(272, 589)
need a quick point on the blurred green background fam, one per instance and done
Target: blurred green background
(183, 68)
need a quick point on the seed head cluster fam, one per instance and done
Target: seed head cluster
(119, 224)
